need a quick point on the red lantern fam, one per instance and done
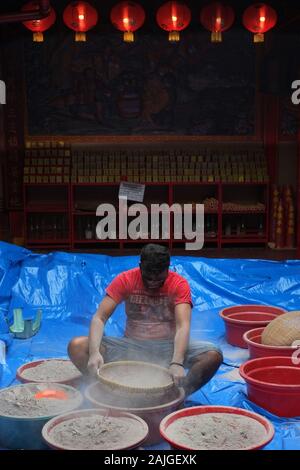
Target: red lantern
(81, 17)
(38, 27)
(173, 17)
(127, 17)
(217, 17)
(259, 19)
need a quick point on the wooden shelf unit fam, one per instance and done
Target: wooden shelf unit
(57, 215)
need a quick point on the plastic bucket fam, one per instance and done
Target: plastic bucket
(24, 432)
(152, 415)
(74, 381)
(238, 320)
(274, 384)
(199, 410)
(133, 443)
(253, 340)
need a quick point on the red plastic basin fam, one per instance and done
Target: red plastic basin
(256, 349)
(238, 320)
(48, 436)
(274, 384)
(151, 415)
(70, 381)
(198, 410)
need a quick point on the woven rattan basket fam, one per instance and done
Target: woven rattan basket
(283, 331)
(136, 378)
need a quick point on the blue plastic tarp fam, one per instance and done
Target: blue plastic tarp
(68, 288)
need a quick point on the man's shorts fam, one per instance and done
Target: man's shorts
(156, 351)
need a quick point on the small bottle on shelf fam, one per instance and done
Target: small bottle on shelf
(243, 228)
(59, 227)
(49, 229)
(43, 227)
(37, 230)
(31, 229)
(228, 229)
(261, 229)
(208, 227)
(64, 227)
(54, 228)
(213, 227)
(88, 231)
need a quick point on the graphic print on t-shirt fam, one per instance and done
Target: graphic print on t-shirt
(148, 307)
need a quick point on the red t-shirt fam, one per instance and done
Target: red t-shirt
(149, 315)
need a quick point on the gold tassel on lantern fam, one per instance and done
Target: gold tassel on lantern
(174, 36)
(259, 38)
(38, 37)
(128, 36)
(80, 37)
(216, 36)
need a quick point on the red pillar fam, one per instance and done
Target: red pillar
(298, 193)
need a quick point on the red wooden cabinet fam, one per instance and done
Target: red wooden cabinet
(47, 216)
(63, 216)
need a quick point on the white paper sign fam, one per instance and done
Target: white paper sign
(132, 191)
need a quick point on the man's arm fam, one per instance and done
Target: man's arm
(104, 311)
(181, 340)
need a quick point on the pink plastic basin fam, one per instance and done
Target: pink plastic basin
(274, 384)
(198, 410)
(47, 431)
(238, 320)
(253, 340)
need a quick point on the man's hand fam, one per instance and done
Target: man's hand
(104, 311)
(94, 363)
(178, 374)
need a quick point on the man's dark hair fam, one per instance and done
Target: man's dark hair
(155, 258)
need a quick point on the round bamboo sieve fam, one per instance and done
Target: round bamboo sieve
(282, 331)
(129, 377)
